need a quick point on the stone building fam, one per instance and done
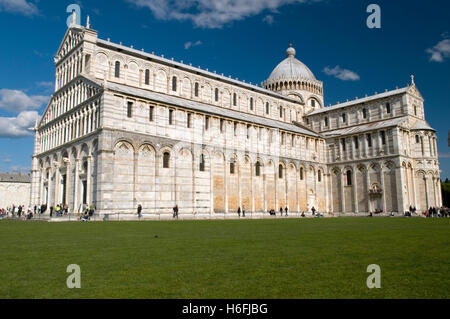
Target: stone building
(14, 189)
(125, 127)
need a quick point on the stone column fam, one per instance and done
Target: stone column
(89, 180)
(57, 185)
(343, 176)
(67, 183)
(252, 183)
(211, 183)
(355, 189)
(368, 188)
(400, 181)
(264, 189)
(383, 188)
(297, 189)
(427, 188)
(226, 184)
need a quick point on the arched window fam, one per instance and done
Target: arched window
(302, 173)
(344, 118)
(258, 169)
(196, 87)
(174, 83)
(313, 103)
(234, 99)
(280, 171)
(232, 166)
(388, 108)
(364, 112)
(267, 108)
(117, 70)
(319, 176)
(147, 77)
(251, 104)
(202, 163)
(130, 109)
(326, 121)
(166, 160)
(281, 111)
(349, 178)
(216, 95)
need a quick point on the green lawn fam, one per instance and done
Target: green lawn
(309, 258)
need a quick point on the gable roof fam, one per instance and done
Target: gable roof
(362, 100)
(206, 108)
(357, 129)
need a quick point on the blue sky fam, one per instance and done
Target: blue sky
(242, 38)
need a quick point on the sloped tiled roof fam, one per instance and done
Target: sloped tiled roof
(206, 108)
(357, 129)
(15, 178)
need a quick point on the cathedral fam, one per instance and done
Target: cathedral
(125, 128)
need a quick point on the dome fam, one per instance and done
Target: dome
(291, 68)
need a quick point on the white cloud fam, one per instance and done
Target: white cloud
(342, 74)
(211, 14)
(45, 84)
(20, 126)
(19, 6)
(18, 101)
(190, 44)
(440, 51)
(444, 155)
(269, 19)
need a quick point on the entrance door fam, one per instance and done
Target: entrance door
(84, 192)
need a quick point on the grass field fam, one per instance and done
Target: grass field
(309, 258)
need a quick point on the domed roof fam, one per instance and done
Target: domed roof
(291, 68)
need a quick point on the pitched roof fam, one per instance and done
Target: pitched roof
(206, 108)
(192, 69)
(15, 178)
(422, 126)
(357, 129)
(359, 101)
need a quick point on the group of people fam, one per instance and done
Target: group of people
(437, 212)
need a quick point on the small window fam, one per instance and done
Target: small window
(174, 83)
(216, 95)
(267, 108)
(302, 172)
(202, 163)
(283, 135)
(251, 104)
(313, 103)
(417, 139)
(344, 118)
(258, 169)
(207, 122)
(170, 117)
(235, 128)
(280, 171)
(388, 108)
(234, 99)
(383, 138)
(307, 121)
(150, 113)
(344, 145)
(221, 125)
(319, 176)
(349, 178)
(248, 131)
(189, 120)
(130, 109)
(415, 110)
(281, 111)
(166, 160)
(232, 168)
(369, 140)
(356, 142)
(196, 89)
(117, 70)
(364, 112)
(326, 121)
(147, 77)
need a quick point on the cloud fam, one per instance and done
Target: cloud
(269, 19)
(18, 101)
(211, 14)
(190, 44)
(20, 126)
(440, 51)
(342, 74)
(444, 155)
(46, 84)
(19, 6)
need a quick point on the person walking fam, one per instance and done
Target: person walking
(175, 212)
(286, 211)
(281, 211)
(239, 212)
(139, 211)
(243, 212)
(313, 211)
